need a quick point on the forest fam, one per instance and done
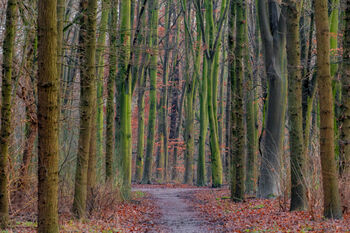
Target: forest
(175, 116)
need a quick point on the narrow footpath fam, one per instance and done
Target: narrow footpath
(177, 215)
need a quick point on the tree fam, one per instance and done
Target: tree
(345, 124)
(101, 42)
(297, 159)
(123, 82)
(48, 112)
(212, 42)
(237, 96)
(87, 49)
(112, 29)
(153, 16)
(332, 207)
(190, 83)
(272, 29)
(6, 93)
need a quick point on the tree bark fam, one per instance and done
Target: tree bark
(48, 113)
(87, 47)
(238, 131)
(272, 28)
(153, 16)
(332, 207)
(297, 159)
(110, 140)
(6, 93)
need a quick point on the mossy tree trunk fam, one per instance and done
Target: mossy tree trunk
(124, 82)
(237, 96)
(251, 117)
(332, 207)
(6, 94)
(153, 16)
(297, 159)
(101, 43)
(48, 114)
(112, 30)
(87, 49)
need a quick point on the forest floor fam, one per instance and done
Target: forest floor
(180, 208)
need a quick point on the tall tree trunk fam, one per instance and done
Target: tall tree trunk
(272, 28)
(332, 207)
(153, 16)
(237, 96)
(308, 89)
(175, 104)
(297, 159)
(112, 29)
(189, 111)
(164, 105)
(48, 112)
(87, 47)
(250, 119)
(212, 97)
(101, 43)
(345, 124)
(140, 73)
(344, 168)
(203, 99)
(231, 76)
(124, 82)
(6, 93)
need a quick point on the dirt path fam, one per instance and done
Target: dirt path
(177, 216)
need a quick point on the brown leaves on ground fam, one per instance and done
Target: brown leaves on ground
(136, 215)
(255, 215)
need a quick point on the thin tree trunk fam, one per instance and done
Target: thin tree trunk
(189, 111)
(175, 105)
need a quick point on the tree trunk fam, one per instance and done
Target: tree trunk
(297, 159)
(48, 122)
(124, 82)
(345, 123)
(110, 140)
(237, 96)
(212, 99)
(175, 115)
(6, 93)
(332, 207)
(101, 43)
(250, 119)
(189, 111)
(272, 28)
(153, 16)
(87, 47)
